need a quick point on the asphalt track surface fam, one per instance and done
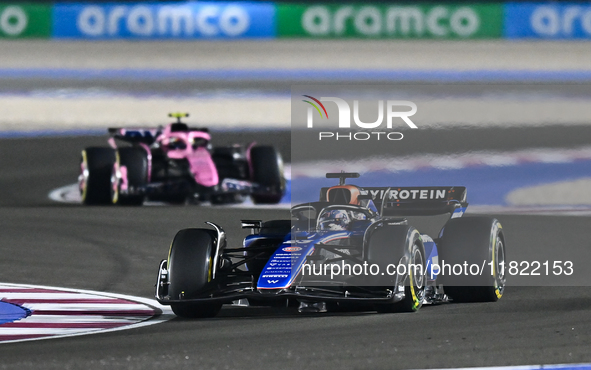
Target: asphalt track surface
(117, 250)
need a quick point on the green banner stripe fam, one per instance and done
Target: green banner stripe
(456, 21)
(25, 20)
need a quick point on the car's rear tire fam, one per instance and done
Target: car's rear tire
(394, 245)
(267, 171)
(479, 241)
(135, 162)
(190, 276)
(230, 162)
(95, 173)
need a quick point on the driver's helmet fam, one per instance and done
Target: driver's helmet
(357, 216)
(176, 143)
(199, 142)
(333, 220)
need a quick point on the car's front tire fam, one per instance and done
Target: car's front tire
(95, 173)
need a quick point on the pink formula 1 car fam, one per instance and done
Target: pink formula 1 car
(177, 164)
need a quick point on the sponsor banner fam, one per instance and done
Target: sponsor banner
(190, 20)
(27, 20)
(437, 21)
(548, 20)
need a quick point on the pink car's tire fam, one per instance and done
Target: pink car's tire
(95, 173)
(129, 170)
(267, 171)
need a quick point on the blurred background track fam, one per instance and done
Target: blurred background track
(299, 54)
(87, 85)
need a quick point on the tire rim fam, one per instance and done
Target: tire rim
(500, 265)
(115, 183)
(418, 281)
(83, 177)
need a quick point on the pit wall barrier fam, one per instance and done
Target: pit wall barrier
(261, 20)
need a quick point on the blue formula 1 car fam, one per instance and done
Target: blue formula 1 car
(356, 246)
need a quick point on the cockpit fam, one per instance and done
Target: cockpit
(324, 216)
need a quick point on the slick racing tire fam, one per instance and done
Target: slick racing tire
(230, 162)
(473, 241)
(190, 272)
(399, 245)
(95, 173)
(131, 170)
(267, 172)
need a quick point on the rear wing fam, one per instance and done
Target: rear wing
(405, 201)
(135, 134)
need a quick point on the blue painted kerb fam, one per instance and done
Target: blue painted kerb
(10, 312)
